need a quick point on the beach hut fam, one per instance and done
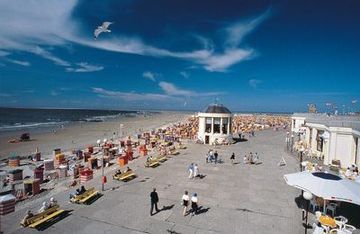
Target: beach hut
(215, 124)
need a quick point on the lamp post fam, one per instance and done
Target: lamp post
(301, 150)
(102, 169)
(307, 196)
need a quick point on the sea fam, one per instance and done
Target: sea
(13, 119)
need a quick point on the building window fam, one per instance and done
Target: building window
(208, 125)
(216, 125)
(224, 125)
(320, 141)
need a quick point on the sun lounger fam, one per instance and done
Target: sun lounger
(42, 217)
(125, 176)
(83, 198)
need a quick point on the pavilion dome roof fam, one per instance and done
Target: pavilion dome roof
(217, 108)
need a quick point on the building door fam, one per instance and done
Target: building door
(207, 140)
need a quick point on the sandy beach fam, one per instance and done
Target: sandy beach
(79, 135)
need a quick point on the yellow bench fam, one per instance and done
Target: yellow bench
(161, 158)
(42, 217)
(152, 163)
(181, 147)
(175, 152)
(125, 176)
(83, 198)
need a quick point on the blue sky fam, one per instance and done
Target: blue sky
(181, 54)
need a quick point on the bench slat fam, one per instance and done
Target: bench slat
(56, 213)
(88, 197)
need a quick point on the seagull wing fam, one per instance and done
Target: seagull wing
(106, 24)
(97, 32)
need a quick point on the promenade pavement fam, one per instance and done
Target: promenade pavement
(234, 198)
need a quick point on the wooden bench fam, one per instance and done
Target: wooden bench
(83, 198)
(152, 163)
(161, 158)
(42, 217)
(125, 176)
(181, 147)
(175, 152)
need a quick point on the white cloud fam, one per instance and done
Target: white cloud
(185, 74)
(133, 96)
(254, 83)
(171, 93)
(237, 31)
(18, 62)
(172, 90)
(150, 75)
(32, 26)
(85, 67)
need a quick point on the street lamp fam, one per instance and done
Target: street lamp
(307, 196)
(102, 169)
(301, 150)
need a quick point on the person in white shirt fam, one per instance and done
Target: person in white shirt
(348, 172)
(191, 170)
(52, 202)
(196, 170)
(194, 204)
(318, 229)
(245, 160)
(44, 207)
(185, 202)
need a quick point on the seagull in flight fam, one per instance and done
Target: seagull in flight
(102, 28)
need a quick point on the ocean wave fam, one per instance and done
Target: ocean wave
(18, 126)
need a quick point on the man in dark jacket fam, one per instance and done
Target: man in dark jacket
(154, 200)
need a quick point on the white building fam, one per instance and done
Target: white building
(215, 124)
(330, 137)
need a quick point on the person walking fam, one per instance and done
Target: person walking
(216, 156)
(185, 202)
(196, 170)
(232, 158)
(194, 204)
(154, 200)
(191, 170)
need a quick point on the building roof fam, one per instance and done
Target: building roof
(217, 108)
(346, 121)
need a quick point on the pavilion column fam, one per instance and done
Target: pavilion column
(357, 157)
(228, 126)
(212, 125)
(221, 124)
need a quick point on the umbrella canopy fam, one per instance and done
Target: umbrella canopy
(325, 185)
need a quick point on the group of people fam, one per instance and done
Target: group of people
(45, 206)
(351, 171)
(186, 201)
(78, 192)
(212, 156)
(193, 170)
(251, 158)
